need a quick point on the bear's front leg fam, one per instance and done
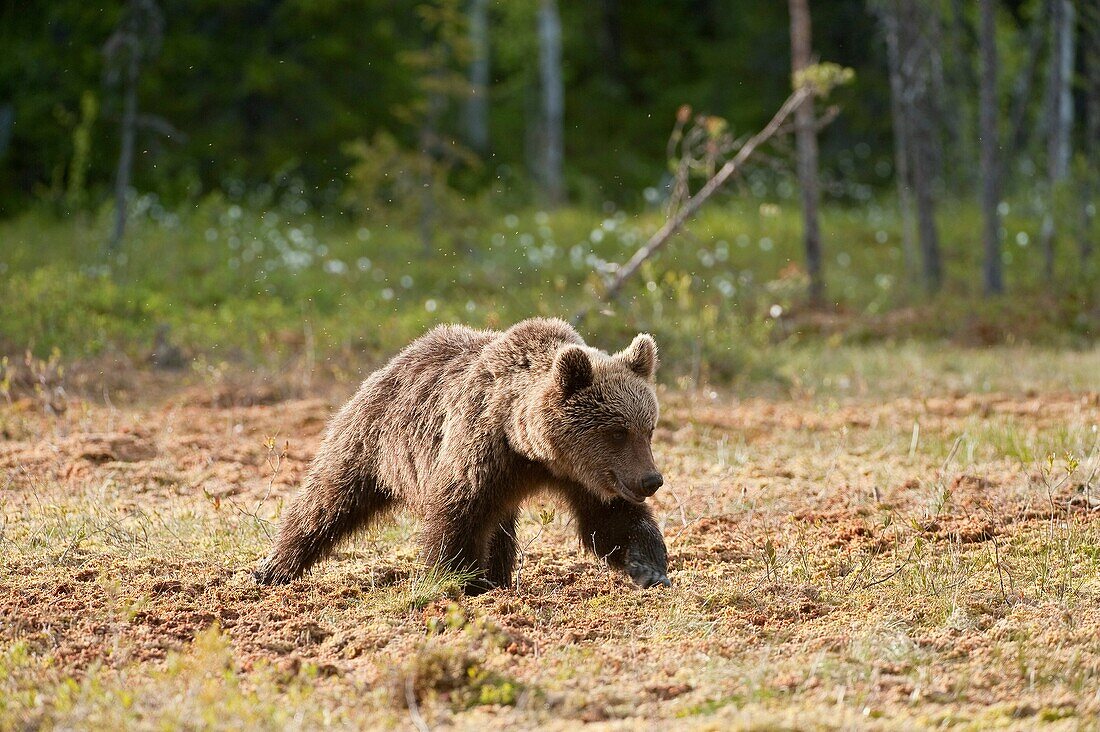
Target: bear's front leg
(460, 544)
(625, 535)
(501, 559)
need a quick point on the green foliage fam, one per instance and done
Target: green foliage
(261, 277)
(75, 193)
(263, 88)
(437, 68)
(385, 179)
(272, 90)
(823, 77)
(54, 303)
(458, 677)
(203, 686)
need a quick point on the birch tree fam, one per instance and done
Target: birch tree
(898, 104)
(806, 142)
(1059, 118)
(477, 103)
(924, 147)
(1090, 24)
(992, 276)
(909, 29)
(136, 40)
(553, 101)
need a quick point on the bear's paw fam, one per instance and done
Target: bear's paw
(647, 575)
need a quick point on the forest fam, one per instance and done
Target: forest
(863, 235)
(965, 137)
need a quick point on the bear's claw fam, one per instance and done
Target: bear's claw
(266, 574)
(646, 576)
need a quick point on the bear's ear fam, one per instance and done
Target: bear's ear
(572, 369)
(641, 356)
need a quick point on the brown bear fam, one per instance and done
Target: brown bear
(463, 425)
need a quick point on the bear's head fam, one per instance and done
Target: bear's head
(600, 413)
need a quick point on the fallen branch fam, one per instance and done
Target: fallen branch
(677, 220)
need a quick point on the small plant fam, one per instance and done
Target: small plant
(545, 518)
(1062, 537)
(421, 589)
(456, 677)
(5, 379)
(41, 379)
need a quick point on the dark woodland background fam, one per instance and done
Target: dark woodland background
(968, 140)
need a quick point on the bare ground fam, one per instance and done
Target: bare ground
(911, 557)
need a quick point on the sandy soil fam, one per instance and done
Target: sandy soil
(893, 562)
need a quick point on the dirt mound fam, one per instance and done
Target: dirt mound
(119, 447)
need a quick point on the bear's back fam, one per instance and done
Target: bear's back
(449, 394)
(427, 375)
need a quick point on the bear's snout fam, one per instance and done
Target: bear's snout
(651, 483)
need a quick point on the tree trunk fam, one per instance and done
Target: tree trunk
(992, 277)
(806, 140)
(1090, 23)
(477, 104)
(1064, 88)
(898, 104)
(921, 110)
(553, 100)
(429, 148)
(126, 151)
(7, 121)
(959, 118)
(1019, 134)
(611, 40)
(1060, 117)
(926, 215)
(136, 39)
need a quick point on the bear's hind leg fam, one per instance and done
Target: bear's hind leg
(624, 535)
(502, 552)
(325, 512)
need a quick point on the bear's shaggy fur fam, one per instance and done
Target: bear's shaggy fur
(462, 426)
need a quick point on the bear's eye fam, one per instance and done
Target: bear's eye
(618, 434)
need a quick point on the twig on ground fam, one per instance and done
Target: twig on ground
(521, 552)
(414, 709)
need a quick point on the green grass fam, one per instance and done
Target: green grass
(200, 687)
(233, 284)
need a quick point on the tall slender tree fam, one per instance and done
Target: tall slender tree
(898, 104)
(958, 40)
(909, 28)
(553, 101)
(477, 103)
(916, 21)
(1059, 119)
(992, 276)
(135, 41)
(1020, 125)
(806, 141)
(1090, 24)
